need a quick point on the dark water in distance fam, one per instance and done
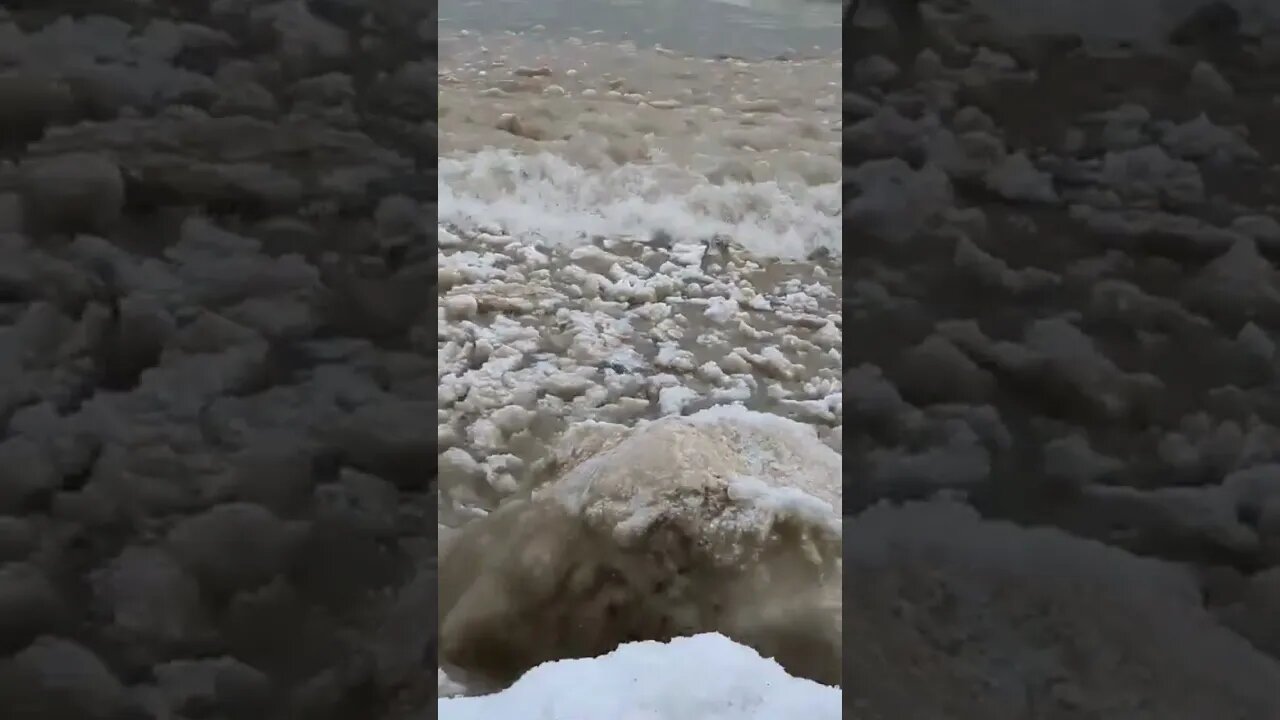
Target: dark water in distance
(706, 28)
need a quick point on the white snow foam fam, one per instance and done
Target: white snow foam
(548, 196)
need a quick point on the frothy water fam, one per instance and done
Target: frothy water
(570, 140)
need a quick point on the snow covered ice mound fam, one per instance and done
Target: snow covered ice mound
(650, 681)
(723, 521)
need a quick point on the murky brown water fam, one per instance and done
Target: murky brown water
(573, 139)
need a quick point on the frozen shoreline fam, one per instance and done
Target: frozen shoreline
(631, 272)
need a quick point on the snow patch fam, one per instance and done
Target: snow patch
(651, 681)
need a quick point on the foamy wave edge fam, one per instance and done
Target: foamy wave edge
(547, 196)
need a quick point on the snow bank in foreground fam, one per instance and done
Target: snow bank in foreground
(704, 677)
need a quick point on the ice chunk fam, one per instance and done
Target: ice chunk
(727, 521)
